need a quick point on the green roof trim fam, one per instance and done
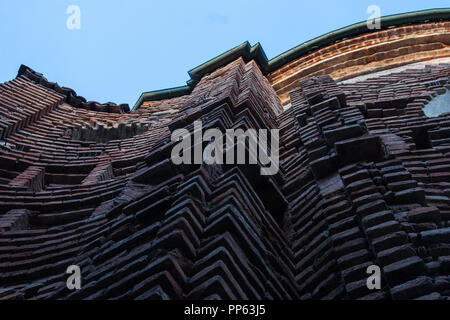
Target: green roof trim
(256, 52)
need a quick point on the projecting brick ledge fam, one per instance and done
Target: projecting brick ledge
(363, 180)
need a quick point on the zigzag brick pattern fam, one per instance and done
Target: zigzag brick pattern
(363, 180)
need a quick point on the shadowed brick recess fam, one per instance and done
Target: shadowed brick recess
(364, 180)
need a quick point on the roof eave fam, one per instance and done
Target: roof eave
(256, 52)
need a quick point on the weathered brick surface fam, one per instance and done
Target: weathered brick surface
(362, 181)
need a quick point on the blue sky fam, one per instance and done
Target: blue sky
(124, 48)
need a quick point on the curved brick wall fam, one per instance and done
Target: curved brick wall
(364, 180)
(365, 54)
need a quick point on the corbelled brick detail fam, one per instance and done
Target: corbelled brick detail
(32, 179)
(365, 54)
(363, 180)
